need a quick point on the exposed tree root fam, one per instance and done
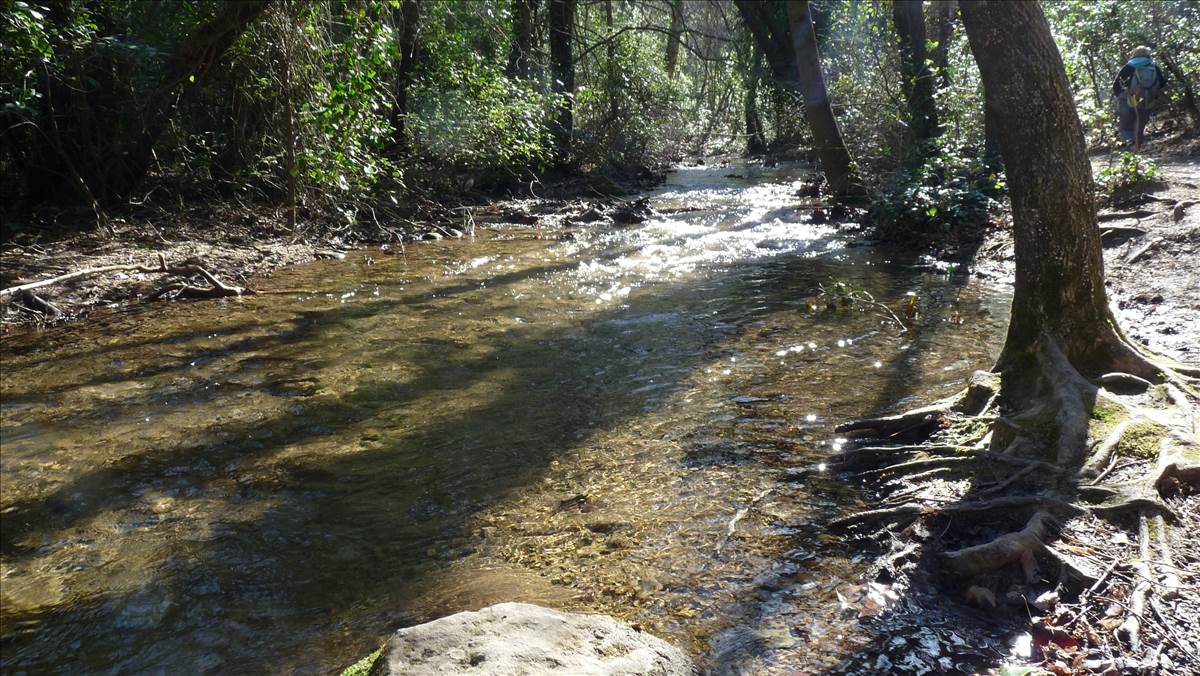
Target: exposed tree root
(1130, 629)
(1017, 546)
(1123, 382)
(924, 463)
(1103, 455)
(1063, 450)
(912, 510)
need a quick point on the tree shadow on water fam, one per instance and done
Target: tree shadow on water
(309, 527)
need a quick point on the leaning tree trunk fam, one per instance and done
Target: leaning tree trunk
(1033, 439)
(1059, 290)
(190, 62)
(810, 80)
(917, 76)
(522, 38)
(408, 16)
(562, 37)
(791, 49)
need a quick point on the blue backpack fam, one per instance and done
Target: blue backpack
(1143, 85)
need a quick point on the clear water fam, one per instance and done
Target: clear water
(629, 423)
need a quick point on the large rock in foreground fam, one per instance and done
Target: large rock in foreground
(519, 638)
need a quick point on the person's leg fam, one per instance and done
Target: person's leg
(1125, 120)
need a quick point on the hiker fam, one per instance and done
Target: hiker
(1136, 87)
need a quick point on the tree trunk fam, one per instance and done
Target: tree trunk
(612, 84)
(562, 37)
(289, 145)
(408, 16)
(674, 37)
(916, 75)
(835, 157)
(791, 49)
(943, 12)
(190, 62)
(756, 141)
(519, 52)
(1059, 293)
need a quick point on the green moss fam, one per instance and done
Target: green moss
(965, 432)
(1040, 423)
(363, 666)
(1105, 416)
(1141, 439)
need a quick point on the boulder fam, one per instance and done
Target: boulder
(636, 211)
(520, 638)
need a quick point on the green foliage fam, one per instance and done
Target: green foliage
(951, 188)
(1130, 170)
(839, 295)
(27, 36)
(1096, 37)
(363, 666)
(466, 111)
(343, 123)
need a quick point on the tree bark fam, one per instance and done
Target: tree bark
(674, 37)
(943, 12)
(408, 16)
(190, 62)
(1059, 291)
(519, 52)
(289, 145)
(916, 75)
(791, 49)
(756, 141)
(562, 38)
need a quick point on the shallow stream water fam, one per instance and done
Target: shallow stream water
(632, 422)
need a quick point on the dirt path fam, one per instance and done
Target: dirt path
(1153, 278)
(1151, 238)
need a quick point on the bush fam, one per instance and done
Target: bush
(951, 188)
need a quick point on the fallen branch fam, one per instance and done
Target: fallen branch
(218, 289)
(1143, 250)
(35, 302)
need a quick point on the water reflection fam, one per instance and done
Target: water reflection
(624, 423)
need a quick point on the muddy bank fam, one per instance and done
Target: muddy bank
(240, 246)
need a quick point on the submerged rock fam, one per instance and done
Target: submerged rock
(520, 638)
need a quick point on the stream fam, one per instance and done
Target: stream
(632, 422)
